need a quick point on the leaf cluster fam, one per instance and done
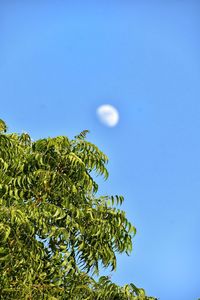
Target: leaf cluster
(55, 233)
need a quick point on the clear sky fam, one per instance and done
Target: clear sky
(60, 60)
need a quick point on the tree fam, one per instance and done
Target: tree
(55, 232)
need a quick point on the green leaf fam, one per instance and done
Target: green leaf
(55, 231)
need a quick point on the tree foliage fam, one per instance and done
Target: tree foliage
(55, 232)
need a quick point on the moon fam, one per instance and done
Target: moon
(108, 115)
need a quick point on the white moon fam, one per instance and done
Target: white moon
(108, 115)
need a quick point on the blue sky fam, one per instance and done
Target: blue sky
(60, 60)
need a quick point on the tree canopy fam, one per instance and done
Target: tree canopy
(55, 232)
